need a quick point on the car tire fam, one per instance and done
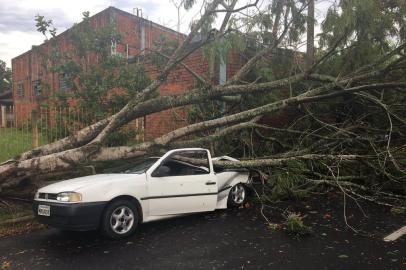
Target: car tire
(237, 196)
(120, 219)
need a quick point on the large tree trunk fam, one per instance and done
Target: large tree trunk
(310, 35)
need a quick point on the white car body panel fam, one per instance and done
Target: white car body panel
(159, 197)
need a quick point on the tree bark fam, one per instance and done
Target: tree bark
(310, 35)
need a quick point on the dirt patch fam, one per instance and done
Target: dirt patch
(19, 212)
(20, 228)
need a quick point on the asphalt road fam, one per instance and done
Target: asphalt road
(225, 239)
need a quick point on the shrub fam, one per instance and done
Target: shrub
(294, 225)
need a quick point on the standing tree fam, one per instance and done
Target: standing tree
(5, 77)
(310, 35)
(96, 90)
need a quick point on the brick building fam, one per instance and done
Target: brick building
(138, 34)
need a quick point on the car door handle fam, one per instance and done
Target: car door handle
(209, 183)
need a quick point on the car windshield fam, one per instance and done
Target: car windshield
(142, 166)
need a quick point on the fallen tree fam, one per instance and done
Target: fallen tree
(348, 128)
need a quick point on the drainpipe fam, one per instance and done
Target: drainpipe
(222, 81)
(142, 37)
(222, 78)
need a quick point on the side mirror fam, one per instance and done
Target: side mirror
(161, 171)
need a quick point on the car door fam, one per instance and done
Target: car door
(183, 182)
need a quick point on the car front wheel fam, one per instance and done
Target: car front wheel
(120, 219)
(237, 196)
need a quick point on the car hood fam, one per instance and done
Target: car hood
(81, 182)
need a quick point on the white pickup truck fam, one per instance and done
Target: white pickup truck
(182, 181)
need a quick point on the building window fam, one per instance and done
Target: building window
(20, 90)
(36, 87)
(63, 82)
(113, 48)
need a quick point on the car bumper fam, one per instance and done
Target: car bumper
(78, 216)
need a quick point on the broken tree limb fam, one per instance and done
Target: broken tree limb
(176, 58)
(72, 157)
(193, 96)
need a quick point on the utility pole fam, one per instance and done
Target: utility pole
(310, 35)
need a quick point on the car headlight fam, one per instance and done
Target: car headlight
(36, 195)
(69, 197)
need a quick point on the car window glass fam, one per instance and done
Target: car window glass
(130, 166)
(184, 163)
(141, 166)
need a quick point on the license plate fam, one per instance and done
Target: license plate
(44, 210)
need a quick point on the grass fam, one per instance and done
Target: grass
(14, 142)
(9, 211)
(12, 214)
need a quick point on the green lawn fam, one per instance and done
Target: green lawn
(11, 213)
(14, 142)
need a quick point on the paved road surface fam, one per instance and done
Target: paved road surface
(226, 239)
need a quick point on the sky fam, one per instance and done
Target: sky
(17, 26)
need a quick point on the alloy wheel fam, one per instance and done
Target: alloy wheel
(122, 220)
(238, 194)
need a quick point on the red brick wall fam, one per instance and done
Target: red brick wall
(27, 68)
(179, 80)
(234, 62)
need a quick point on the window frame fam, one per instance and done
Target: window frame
(20, 90)
(37, 88)
(62, 83)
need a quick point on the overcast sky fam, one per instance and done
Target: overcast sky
(17, 25)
